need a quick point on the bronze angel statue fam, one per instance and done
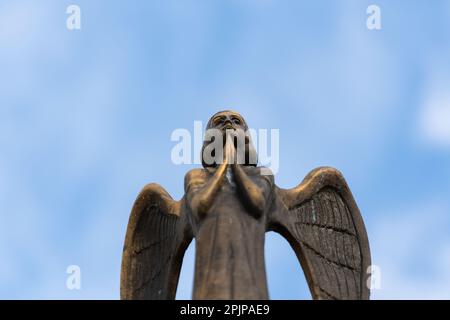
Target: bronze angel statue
(228, 206)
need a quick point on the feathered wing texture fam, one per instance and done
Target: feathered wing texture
(322, 222)
(157, 237)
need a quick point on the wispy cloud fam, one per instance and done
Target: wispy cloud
(411, 246)
(434, 115)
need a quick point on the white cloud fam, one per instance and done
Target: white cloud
(434, 114)
(435, 117)
(412, 249)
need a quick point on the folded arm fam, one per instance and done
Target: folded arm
(200, 196)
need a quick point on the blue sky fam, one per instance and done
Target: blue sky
(86, 118)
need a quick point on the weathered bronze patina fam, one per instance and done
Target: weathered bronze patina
(228, 207)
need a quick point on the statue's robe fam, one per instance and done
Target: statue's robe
(230, 244)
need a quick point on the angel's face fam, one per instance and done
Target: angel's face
(228, 120)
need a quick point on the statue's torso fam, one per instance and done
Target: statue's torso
(230, 248)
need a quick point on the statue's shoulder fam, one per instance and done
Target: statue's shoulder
(261, 173)
(194, 178)
(195, 174)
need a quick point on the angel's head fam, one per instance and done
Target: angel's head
(219, 125)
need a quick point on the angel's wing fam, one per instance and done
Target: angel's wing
(157, 237)
(322, 222)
